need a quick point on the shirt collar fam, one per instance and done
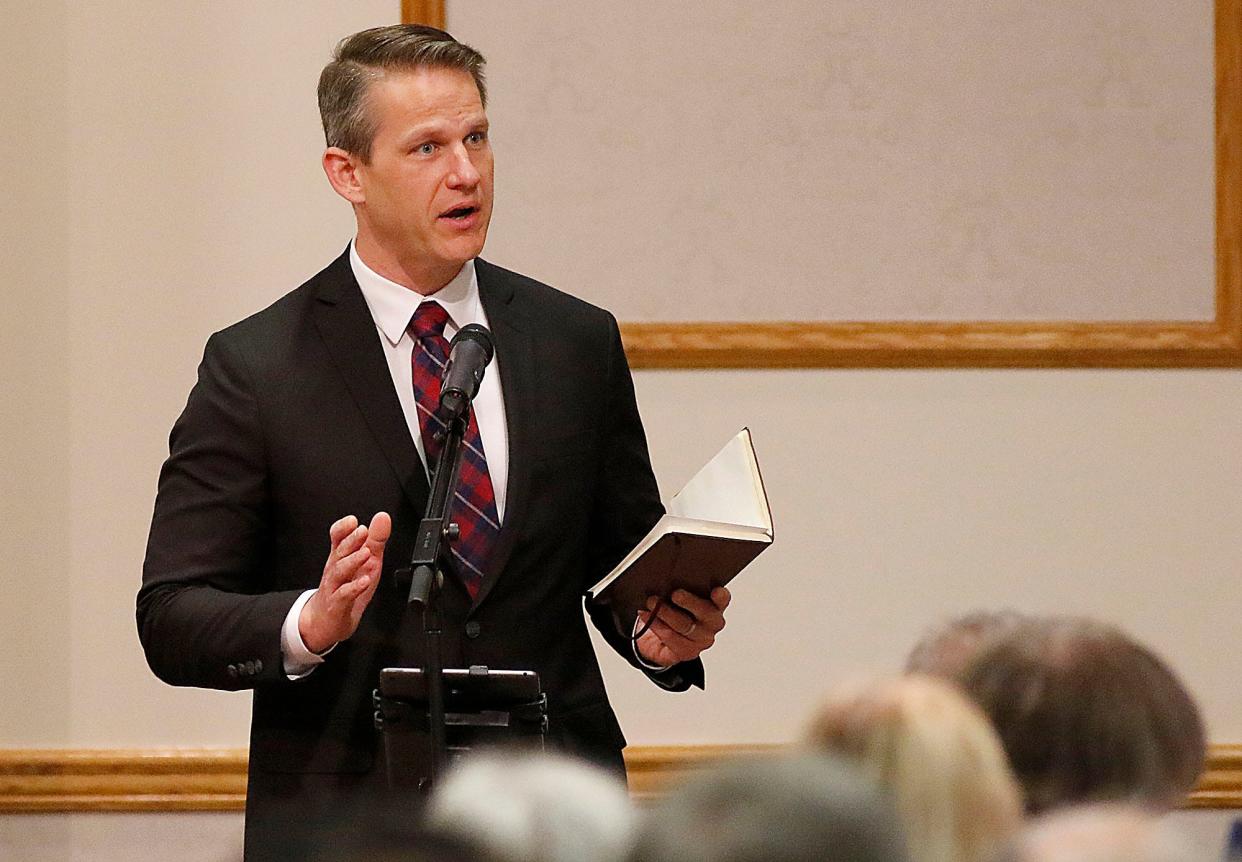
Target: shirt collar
(392, 305)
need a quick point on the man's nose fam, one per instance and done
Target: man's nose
(463, 173)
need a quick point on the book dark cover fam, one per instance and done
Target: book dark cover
(687, 561)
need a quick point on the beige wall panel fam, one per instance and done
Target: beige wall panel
(34, 369)
(197, 198)
(179, 190)
(197, 837)
(856, 160)
(903, 497)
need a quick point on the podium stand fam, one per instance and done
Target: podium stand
(483, 708)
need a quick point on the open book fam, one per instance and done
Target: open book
(715, 526)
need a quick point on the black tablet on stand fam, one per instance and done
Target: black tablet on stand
(483, 708)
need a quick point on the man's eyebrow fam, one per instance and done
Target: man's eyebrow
(423, 130)
(432, 128)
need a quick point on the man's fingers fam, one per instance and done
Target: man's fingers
(341, 529)
(698, 613)
(353, 588)
(675, 625)
(372, 570)
(682, 648)
(347, 545)
(676, 619)
(665, 633)
(345, 569)
(378, 532)
(695, 606)
(721, 598)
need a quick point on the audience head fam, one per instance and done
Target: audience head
(1088, 715)
(936, 756)
(535, 808)
(1100, 833)
(946, 650)
(782, 809)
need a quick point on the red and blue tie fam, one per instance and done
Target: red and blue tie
(473, 508)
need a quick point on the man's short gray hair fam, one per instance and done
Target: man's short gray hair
(525, 807)
(783, 809)
(366, 56)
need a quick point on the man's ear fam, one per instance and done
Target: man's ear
(341, 168)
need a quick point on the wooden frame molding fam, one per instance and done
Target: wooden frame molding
(967, 344)
(430, 12)
(206, 779)
(162, 779)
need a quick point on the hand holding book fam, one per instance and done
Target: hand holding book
(715, 525)
(682, 627)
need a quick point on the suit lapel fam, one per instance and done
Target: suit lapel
(515, 352)
(348, 331)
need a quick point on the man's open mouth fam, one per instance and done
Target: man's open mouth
(460, 213)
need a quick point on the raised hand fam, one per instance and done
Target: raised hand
(350, 577)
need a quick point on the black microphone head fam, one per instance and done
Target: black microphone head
(469, 354)
(478, 334)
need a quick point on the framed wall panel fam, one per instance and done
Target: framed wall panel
(1025, 339)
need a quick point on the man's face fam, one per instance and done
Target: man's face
(428, 187)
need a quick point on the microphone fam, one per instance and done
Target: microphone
(469, 353)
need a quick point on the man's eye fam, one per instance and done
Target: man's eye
(426, 149)
(476, 137)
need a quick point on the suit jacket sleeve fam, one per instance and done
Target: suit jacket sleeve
(205, 617)
(627, 505)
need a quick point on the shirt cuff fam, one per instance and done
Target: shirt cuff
(298, 660)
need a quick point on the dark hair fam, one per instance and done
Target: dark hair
(364, 57)
(1088, 715)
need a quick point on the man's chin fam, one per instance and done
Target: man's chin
(464, 248)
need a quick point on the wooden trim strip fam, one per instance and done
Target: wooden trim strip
(197, 779)
(941, 345)
(1229, 168)
(168, 779)
(429, 12)
(1220, 785)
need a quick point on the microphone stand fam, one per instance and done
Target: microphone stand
(429, 559)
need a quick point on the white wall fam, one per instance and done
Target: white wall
(165, 159)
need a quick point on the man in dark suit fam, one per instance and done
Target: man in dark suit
(307, 415)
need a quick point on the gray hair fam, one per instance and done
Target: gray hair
(782, 809)
(535, 808)
(364, 57)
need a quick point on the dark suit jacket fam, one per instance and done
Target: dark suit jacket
(294, 423)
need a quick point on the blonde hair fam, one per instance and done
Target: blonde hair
(938, 758)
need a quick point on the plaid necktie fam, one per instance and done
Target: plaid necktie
(473, 508)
